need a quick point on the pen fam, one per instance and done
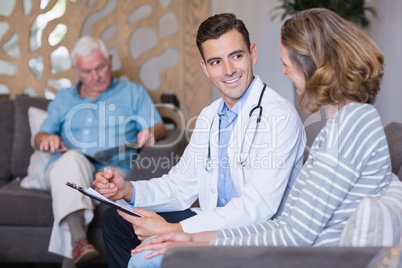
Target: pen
(107, 182)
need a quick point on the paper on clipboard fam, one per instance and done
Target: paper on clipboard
(118, 204)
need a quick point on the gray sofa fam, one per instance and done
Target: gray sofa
(275, 257)
(294, 257)
(26, 214)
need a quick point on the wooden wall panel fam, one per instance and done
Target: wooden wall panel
(185, 78)
(197, 85)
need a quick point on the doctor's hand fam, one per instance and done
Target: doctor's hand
(161, 243)
(111, 185)
(149, 225)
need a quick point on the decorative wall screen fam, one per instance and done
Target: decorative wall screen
(151, 41)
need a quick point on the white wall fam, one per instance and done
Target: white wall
(385, 29)
(265, 33)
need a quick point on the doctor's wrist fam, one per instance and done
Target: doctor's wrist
(128, 191)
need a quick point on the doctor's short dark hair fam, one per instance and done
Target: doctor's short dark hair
(219, 24)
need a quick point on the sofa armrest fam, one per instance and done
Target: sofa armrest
(157, 160)
(393, 132)
(284, 257)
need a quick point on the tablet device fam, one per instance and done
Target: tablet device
(119, 204)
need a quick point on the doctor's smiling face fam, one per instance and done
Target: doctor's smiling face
(229, 64)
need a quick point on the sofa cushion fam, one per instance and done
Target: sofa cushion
(376, 220)
(21, 146)
(393, 131)
(6, 137)
(25, 207)
(36, 116)
(157, 160)
(257, 257)
(31, 207)
(35, 179)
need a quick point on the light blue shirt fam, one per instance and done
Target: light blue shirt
(112, 119)
(227, 121)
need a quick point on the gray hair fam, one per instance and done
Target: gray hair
(84, 47)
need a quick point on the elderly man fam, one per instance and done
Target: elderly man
(97, 113)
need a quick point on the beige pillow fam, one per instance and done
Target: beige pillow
(38, 161)
(376, 220)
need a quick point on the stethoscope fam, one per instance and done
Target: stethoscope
(243, 156)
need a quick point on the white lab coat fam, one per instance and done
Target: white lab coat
(276, 157)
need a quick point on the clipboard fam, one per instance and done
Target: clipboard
(119, 204)
(103, 157)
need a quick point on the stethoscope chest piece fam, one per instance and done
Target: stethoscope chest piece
(208, 165)
(242, 158)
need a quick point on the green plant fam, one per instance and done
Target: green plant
(352, 10)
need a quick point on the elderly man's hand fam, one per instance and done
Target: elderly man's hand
(48, 142)
(145, 138)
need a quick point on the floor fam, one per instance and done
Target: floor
(29, 265)
(45, 265)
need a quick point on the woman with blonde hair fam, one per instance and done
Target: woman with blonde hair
(333, 65)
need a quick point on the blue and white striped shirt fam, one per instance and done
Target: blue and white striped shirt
(349, 160)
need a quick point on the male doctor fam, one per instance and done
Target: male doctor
(238, 171)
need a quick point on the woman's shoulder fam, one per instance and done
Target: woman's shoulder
(352, 133)
(360, 106)
(355, 123)
(360, 125)
(358, 114)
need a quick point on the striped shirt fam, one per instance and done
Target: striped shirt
(348, 160)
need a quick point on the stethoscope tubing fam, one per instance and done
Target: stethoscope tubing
(208, 164)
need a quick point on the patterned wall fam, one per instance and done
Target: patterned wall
(152, 42)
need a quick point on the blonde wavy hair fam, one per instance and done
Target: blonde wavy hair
(337, 59)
